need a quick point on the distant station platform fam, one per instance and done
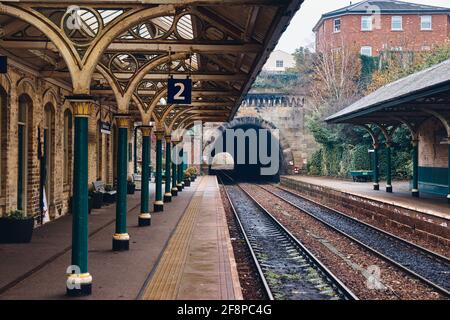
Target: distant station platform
(186, 253)
(429, 213)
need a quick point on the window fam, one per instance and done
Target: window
(337, 25)
(280, 63)
(22, 148)
(397, 23)
(366, 51)
(67, 145)
(366, 23)
(425, 23)
(3, 106)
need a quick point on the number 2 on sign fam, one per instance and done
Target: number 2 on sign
(179, 95)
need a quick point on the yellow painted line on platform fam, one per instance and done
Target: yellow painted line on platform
(165, 282)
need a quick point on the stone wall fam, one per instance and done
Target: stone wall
(418, 223)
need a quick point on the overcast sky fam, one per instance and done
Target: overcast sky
(300, 32)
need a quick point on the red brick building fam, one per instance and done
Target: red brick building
(374, 26)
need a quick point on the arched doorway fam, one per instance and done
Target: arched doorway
(24, 145)
(3, 108)
(68, 142)
(48, 150)
(99, 139)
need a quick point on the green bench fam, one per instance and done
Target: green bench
(361, 175)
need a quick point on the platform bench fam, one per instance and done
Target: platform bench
(108, 196)
(362, 175)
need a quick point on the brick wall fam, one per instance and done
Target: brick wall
(17, 83)
(410, 39)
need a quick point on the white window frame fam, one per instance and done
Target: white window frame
(278, 63)
(370, 20)
(393, 27)
(422, 18)
(335, 30)
(368, 48)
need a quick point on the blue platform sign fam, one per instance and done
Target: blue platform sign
(179, 91)
(3, 64)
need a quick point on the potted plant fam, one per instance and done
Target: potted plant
(193, 172)
(16, 227)
(97, 199)
(131, 186)
(187, 178)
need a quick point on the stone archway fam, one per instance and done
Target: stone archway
(286, 151)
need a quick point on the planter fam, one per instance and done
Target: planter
(16, 231)
(131, 188)
(192, 178)
(187, 182)
(97, 200)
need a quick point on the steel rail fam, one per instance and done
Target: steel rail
(384, 233)
(315, 263)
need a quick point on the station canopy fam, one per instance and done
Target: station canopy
(122, 52)
(410, 100)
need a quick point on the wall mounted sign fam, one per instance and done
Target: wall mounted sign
(179, 91)
(105, 128)
(3, 64)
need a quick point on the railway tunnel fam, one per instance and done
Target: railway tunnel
(250, 149)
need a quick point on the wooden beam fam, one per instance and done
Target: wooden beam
(145, 46)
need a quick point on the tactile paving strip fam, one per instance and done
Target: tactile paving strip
(165, 282)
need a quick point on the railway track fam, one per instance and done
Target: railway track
(287, 269)
(419, 262)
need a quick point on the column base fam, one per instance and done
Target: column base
(415, 193)
(145, 220)
(121, 242)
(376, 186)
(448, 199)
(174, 192)
(158, 206)
(179, 187)
(389, 189)
(168, 197)
(79, 285)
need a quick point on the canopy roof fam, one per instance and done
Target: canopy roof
(135, 46)
(410, 98)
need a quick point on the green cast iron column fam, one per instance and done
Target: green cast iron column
(174, 174)
(159, 204)
(180, 184)
(389, 167)
(79, 281)
(168, 193)
(376, 178)
(121, 238)
(415, 188)
(145, 217)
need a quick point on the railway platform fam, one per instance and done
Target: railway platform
(189, 240)
(427, 216)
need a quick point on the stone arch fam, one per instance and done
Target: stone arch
(264, 124)
(50, 96)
